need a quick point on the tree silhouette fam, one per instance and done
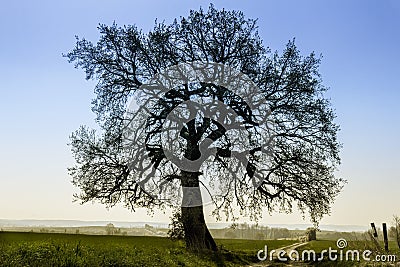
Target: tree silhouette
(249, 160)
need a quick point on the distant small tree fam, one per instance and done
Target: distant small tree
(110, 229)
(311, 234)
(77, 231)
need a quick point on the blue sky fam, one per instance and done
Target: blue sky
(43, 98)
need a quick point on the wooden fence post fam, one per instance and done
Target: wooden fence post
(385, 236)
(375, 233)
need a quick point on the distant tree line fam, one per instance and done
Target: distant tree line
(255, 231)
(112, 230)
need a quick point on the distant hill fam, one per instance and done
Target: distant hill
(74, 223)
(78, 223)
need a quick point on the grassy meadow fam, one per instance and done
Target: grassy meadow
(60, 249)
(50, 249)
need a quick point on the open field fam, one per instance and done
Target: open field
(50, 249)
(59, 249)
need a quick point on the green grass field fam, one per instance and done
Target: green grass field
(34, 249)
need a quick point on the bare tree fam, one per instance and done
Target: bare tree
(246, 172)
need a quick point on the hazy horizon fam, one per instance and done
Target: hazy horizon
(128, 224)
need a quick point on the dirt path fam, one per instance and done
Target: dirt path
(287, 250)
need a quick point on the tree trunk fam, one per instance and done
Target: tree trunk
(197, 235)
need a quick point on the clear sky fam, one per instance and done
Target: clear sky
(43, 98)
